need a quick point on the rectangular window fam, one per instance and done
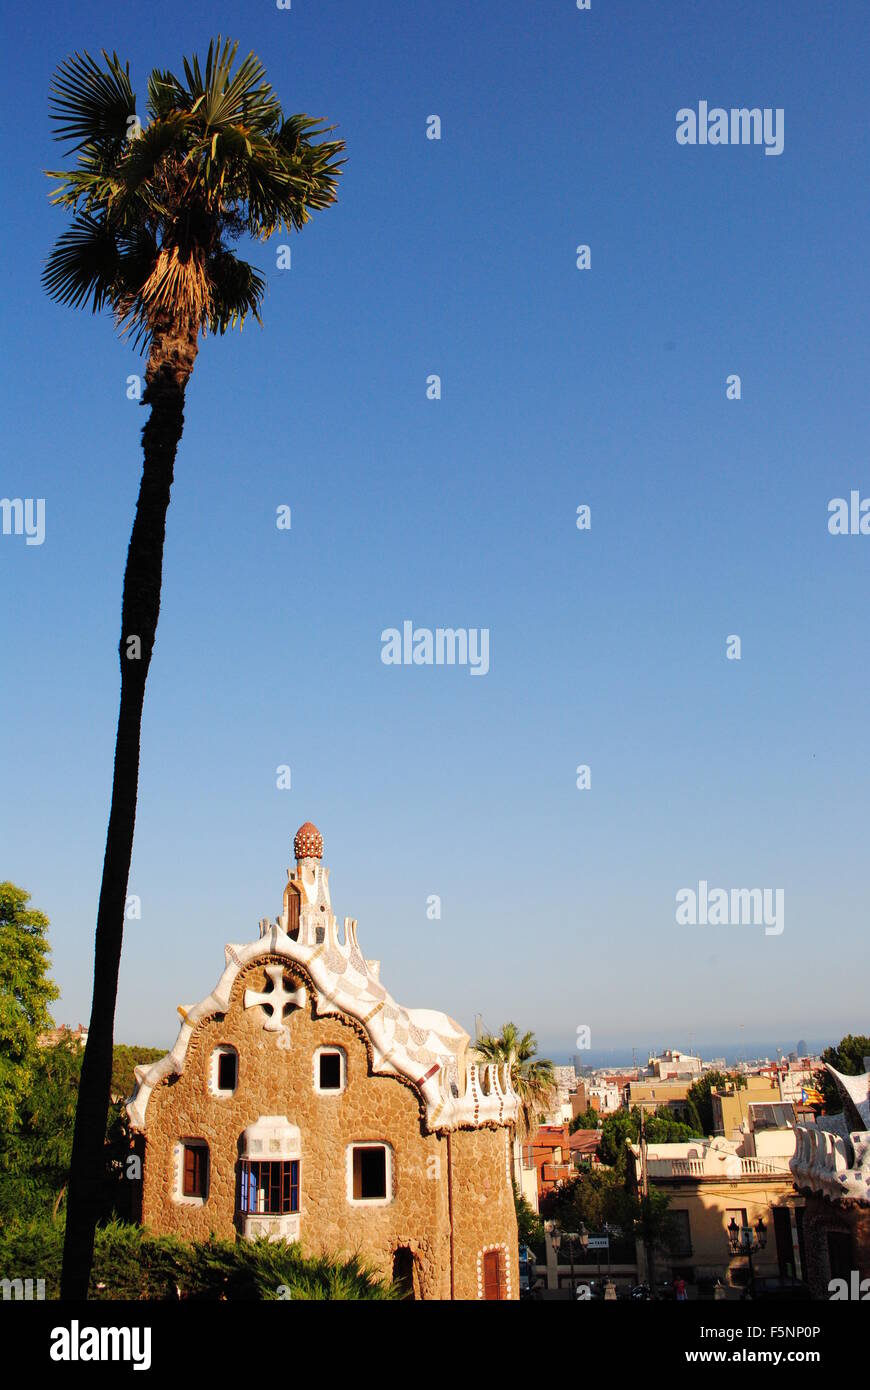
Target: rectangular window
(270, 1189)
(195, 1173)
(737, 1214)
(330, 1071)
(369, 1173)
(227, 1065)
(682, 1236)
(493, 1274)
(292, 914)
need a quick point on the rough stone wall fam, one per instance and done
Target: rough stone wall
(484, 1214)
(279, 1081)
(821, 1217)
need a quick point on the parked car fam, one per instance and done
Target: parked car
(779, 1287)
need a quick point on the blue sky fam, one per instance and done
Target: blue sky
(559, 387)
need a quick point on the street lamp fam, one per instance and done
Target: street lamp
(571, 1236)
(747, 1240)
(556, 1238)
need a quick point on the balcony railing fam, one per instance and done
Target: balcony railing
(555, 1172)
(732, 1167)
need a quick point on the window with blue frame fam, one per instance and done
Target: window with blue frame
(270, 1189)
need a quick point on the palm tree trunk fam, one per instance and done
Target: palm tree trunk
(170, 363)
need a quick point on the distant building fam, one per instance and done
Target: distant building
(548, 1153)
(605, 1097)
(651, 1095)
(584, 1146)
(560, 1111)
(674, 1065)
(711, 1182)
(73, 1037)
(731, 1103)
(566, 1080)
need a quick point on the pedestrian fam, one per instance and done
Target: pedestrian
(680, 1290)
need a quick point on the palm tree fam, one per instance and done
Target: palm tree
(532, 1076)
(155, 207)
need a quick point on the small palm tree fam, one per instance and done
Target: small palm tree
(156, 207)
(532, 1076)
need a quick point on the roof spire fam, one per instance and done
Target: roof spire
(308, 842)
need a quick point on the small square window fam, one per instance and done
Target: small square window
(369, 1173)
(330, 1071)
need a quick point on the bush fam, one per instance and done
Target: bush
(130, 1263)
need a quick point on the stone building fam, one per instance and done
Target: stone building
(831, 1169)
(301, 1102)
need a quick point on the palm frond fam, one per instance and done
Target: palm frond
(90, 104)
(83, 265)
(165, 94)
(140, 177)
(237, 290)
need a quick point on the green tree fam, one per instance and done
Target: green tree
(595, 1199)
(655, 1227)
(617, 1130)
(623, 1127)
(35, 1150)
(606, 1199)
(530, 1227)
(589, 1119)
(700, 1097)
(25, 994)
(124, 1061)
(156, 208)
(662, 1127)
(532, 1076)
(847, 1057)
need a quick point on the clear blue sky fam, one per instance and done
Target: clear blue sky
(560, 387)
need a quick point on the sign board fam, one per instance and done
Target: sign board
(599, 1243)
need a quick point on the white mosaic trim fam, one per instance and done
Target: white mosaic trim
(427, 1048)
